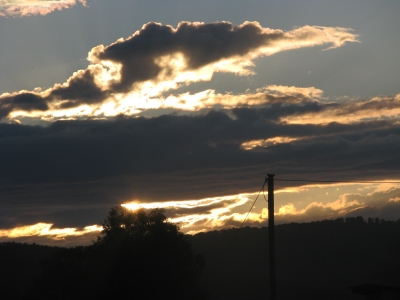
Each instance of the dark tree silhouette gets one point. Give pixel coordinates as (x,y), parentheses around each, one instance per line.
(138,255)
(147,257)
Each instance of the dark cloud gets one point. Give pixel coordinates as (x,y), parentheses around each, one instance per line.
(79,89)
(24,101)
(92,150)
(276,111)
(376,104)
(200,44)
(93,164)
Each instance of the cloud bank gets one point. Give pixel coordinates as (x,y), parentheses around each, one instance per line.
(159,58)
(373,200)
(70,172)
(22,8)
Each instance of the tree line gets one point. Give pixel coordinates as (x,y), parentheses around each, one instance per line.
(140,255)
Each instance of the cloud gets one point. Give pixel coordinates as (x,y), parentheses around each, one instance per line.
(279,104)
(45,234)
(173,157)
(381,203)
(160,58)
(17,8)
(216,213)
(197,215)
(267,142)
(67,241)
(121,132)
(317,210)
(43,229)
(208,99)
(377,108)
(147,54)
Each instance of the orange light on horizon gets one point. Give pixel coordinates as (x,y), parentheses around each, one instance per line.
(45,229)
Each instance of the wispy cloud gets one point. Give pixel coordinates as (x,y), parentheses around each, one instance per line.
(377,108)
(224,212)
(216,213)
(383,202)
(197,215)
(47,230)
(22,8)
(267,142)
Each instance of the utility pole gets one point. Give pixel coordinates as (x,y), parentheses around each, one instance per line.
(271,234)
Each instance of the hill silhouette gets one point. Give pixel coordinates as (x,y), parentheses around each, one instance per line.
(20,265)
(138,255)
(317,260)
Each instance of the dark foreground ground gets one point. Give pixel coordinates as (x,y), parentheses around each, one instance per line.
(318,260)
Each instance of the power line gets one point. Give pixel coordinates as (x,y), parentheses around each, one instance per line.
(336,181)
(287,180)
(263,189)
(241,225)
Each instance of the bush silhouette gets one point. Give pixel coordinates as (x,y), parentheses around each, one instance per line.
(138,255)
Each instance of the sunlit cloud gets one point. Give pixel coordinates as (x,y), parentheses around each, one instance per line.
(377,108)
(148,98)
(47,230)
(188,204)
(217,213)
(197,215)
(339,205)
(267,142)
(296,94)
(125,76)
(359,201)
(16,8)
(384,188)
(284,104)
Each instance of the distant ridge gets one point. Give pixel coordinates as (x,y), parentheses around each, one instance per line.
(317,260)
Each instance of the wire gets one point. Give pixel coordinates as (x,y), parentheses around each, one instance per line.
(266,179)
(336,181)
(285,179)
(241,225)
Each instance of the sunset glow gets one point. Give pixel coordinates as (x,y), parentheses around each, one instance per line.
(43,229)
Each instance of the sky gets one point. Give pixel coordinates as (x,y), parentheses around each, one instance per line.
(188,105)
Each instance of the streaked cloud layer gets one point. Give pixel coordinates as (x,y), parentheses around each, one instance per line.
(372,200)
(22,8)
(43,229)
